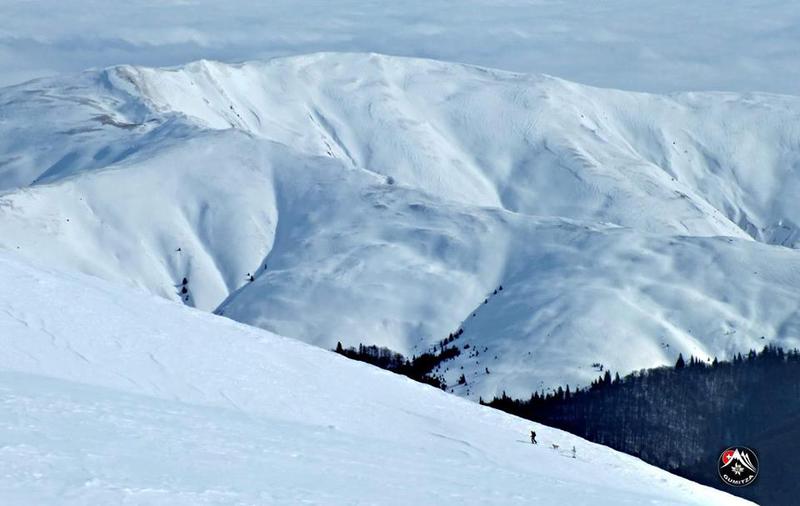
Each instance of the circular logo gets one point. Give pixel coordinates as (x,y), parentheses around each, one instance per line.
(738,466)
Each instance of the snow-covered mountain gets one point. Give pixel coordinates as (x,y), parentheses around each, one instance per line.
(384,200)
(113,396)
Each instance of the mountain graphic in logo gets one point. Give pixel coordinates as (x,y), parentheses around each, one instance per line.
(738,466)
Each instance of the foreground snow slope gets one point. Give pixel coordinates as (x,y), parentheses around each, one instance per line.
(382,200)
(112,396)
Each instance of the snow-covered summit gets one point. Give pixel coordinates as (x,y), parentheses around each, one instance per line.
(113,396)
(382,200)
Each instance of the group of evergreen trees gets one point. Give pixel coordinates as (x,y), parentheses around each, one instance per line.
(419,368)
(680,418)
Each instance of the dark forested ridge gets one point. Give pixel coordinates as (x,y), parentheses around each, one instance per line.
(419,368)
(681,418)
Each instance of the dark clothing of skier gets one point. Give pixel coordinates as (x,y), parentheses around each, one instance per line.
(533,438)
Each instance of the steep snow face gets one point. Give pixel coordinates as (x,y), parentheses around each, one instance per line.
(114,396)
(382,200)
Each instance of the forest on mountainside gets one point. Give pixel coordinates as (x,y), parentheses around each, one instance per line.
(681,418)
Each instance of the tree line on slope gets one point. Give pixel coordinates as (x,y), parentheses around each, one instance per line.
(681,418)
(419,368)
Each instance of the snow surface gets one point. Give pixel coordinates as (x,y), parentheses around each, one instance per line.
(113,396)
(645,45)
(381,200)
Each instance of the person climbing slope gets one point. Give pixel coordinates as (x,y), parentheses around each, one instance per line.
(533,438)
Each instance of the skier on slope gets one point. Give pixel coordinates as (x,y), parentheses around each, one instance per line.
(533,438)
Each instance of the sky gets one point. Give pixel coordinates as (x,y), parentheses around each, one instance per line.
(644,45)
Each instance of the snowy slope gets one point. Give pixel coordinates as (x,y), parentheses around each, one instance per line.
(113,396)
(381,200)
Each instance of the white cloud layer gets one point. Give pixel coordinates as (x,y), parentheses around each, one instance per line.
(748,45)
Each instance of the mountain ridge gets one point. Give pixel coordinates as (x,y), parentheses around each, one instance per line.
(381,200)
